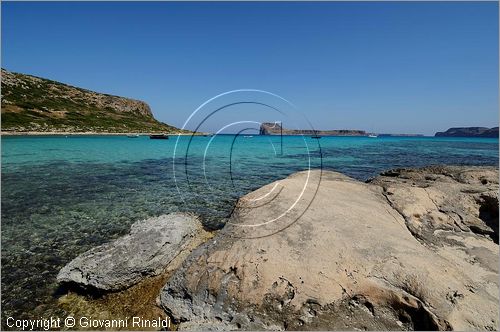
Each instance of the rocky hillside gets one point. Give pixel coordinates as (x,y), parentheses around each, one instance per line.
(469,132)
(31,103)
(271,128)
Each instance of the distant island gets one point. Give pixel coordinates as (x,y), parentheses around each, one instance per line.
(273,128)
(469,132)
(401,135)
(38,105)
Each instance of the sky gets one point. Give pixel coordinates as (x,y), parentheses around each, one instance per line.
(384,67)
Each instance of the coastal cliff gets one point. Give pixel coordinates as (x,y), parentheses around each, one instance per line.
(271,128)
(469,132)
(36,104)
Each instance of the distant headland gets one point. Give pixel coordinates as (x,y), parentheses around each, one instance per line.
(34,105)
(469,132)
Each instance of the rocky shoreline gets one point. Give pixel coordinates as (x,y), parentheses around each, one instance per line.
(409,249)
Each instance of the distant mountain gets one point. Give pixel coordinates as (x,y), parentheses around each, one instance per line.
(271,128)
(469,132)
(31,103)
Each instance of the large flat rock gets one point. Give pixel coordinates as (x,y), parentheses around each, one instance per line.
(319,250)
(445,198)
(149,247)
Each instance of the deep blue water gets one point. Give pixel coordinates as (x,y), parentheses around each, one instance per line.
(62,196)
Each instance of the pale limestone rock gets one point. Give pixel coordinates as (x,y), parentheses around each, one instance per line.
(146,251)
(349,255)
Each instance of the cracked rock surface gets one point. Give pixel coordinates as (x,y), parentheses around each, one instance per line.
(149,247)
(410,249)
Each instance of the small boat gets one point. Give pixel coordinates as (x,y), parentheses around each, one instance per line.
(248,136)
(372,136)
(316,136)
(133,136)
(158,136)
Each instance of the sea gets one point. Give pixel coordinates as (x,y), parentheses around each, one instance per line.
(62,195)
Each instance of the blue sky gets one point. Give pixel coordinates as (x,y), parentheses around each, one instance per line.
(382,67)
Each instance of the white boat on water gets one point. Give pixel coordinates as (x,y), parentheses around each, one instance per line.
(372,136)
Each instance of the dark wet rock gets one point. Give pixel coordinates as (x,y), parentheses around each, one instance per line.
(398,253)
(149,247)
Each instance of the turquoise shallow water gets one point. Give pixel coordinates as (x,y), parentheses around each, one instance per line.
(62,196)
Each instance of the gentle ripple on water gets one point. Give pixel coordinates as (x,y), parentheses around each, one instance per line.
(62,196)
